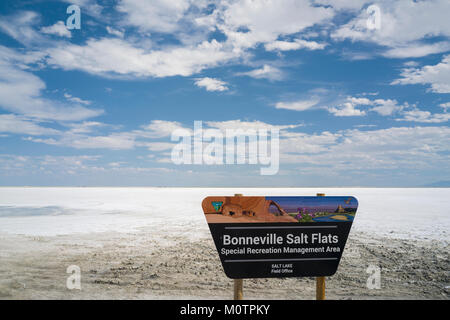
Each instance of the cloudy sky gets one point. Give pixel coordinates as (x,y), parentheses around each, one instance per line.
(358,104)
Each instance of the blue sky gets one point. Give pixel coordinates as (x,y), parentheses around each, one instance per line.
(357,105)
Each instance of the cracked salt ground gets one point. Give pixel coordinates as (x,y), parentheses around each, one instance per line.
(137,266)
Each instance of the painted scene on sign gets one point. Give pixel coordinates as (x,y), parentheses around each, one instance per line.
(279,209)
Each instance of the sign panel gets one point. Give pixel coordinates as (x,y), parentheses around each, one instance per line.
(267,237)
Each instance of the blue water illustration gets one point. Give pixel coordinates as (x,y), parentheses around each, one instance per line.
(330,219)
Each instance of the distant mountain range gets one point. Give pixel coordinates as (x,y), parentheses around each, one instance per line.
(439,184)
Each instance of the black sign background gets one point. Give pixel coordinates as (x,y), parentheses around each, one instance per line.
(271,265)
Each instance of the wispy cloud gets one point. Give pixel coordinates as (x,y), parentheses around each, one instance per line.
(22,92)
(299,105)
(10,123)
(403,27)
(294,45)
(59,29)
(211,84)
(438,76)
(417,115)
(265,72)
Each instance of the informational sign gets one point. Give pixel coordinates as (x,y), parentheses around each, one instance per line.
(267,237)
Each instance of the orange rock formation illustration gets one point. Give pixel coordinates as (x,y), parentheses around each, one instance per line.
(243,209)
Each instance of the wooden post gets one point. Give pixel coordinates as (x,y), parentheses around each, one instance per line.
(238,289)
(320,281)
(320,288)
(238,283)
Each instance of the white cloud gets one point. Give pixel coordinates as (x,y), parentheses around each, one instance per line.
(360,106)
(403,25)
(80,135)
(359,101)
(59,29)
(359,151)
(190,23)
(159,146)
(411,64)
(11,123)
(160,128)
(346,109)
(266,72)
(118,57)
(114,32)
(246,125)
(76,99)
(85,135)
(300,105)
(156,15)
(299,142)
(85,126)
(20,59)
(84,166)
(22,92)
(211,84)
(247,23)
(114,141)
(417,50)
(20,27)
(438,76)
(341,109)
(386,107)
(417,115)
(294,45)
(416,148)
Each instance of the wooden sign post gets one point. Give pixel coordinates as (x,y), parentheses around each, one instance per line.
(238,283)
(320,281)
(320,288)
(238,289)
(279,237)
